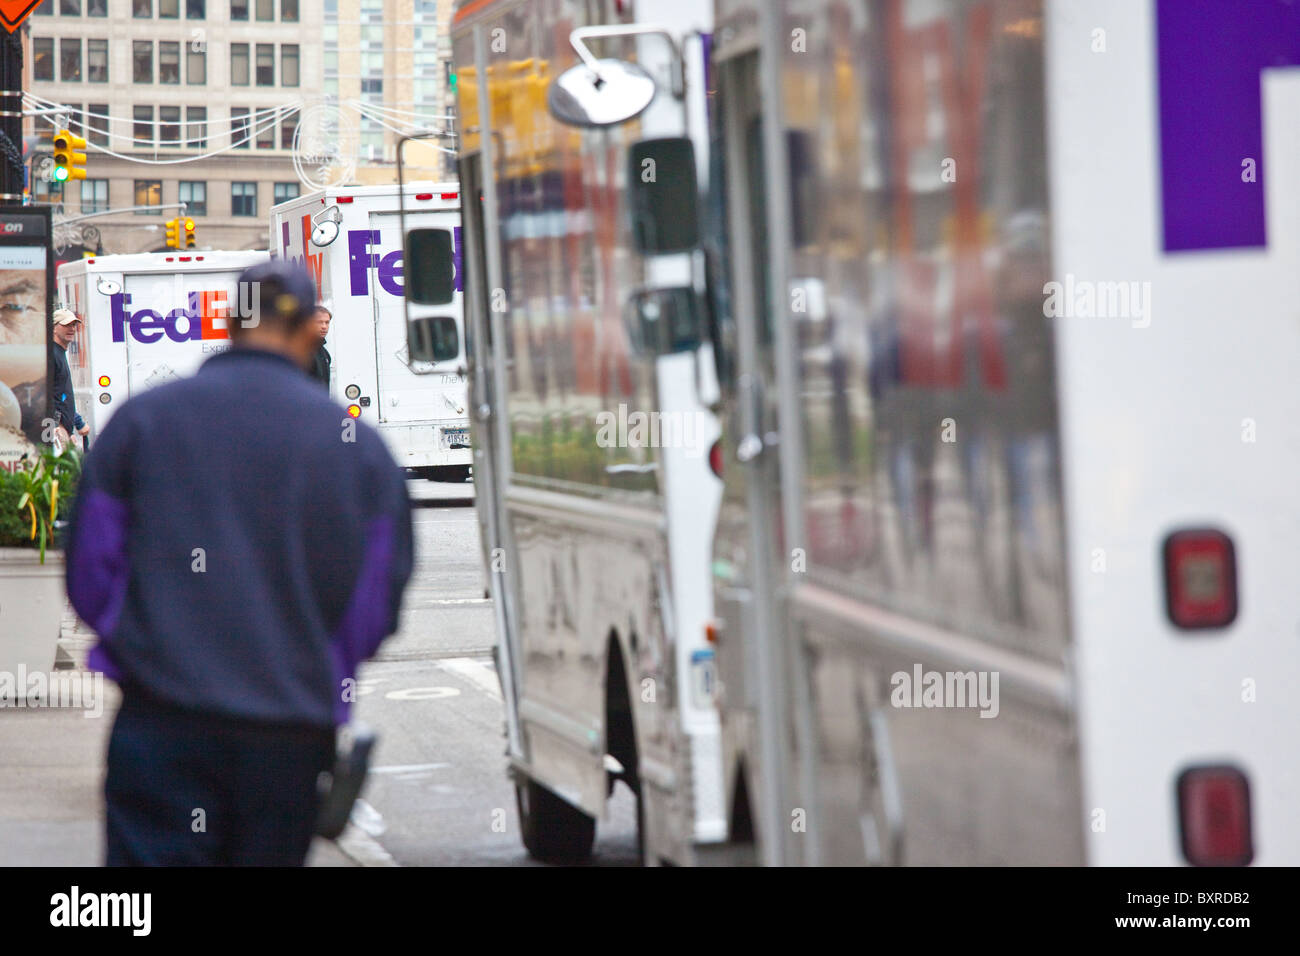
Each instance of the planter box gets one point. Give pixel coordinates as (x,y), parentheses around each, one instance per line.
(32,599)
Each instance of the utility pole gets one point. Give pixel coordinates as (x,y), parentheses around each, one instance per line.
(11,117)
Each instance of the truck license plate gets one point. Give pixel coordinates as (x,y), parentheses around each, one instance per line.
(452,437)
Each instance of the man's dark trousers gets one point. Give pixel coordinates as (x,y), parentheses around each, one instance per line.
(254,783)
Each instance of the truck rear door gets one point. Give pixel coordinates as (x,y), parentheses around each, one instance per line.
(172,323)
(413,391)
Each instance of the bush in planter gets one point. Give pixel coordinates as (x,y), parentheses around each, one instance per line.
(35,500)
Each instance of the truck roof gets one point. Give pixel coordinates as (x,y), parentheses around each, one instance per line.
(368,192)
(165,261)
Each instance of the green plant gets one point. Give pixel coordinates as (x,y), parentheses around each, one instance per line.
(35,496)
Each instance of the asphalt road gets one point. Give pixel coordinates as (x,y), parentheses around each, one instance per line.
(438,794)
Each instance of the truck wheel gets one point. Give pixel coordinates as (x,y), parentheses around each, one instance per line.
(553,831)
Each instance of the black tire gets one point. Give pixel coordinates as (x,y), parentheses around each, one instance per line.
(449,473)
(553,831)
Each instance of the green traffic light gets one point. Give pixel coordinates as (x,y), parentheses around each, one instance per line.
(61,174)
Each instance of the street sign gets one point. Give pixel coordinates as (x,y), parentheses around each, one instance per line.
(14,12)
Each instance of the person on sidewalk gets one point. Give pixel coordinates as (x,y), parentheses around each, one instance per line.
(236,576)
(321,361)
(62,402)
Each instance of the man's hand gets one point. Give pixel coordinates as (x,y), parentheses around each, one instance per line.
(62,435)
(83,430)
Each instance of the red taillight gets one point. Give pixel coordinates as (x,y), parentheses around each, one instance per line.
(1214,812)
(184,258)
(450,195)
(354,411)
(1200,579)
(104,381)
(344,199)
(715,458)
(423,196)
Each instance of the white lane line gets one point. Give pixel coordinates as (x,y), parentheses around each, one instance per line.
(410,767)
(426,603)
(481,675)
(363,849)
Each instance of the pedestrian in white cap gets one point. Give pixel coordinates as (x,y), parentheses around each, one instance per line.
(62,404)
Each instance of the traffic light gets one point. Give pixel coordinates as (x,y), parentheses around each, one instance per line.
(68,162)
(173,234)
(190,241)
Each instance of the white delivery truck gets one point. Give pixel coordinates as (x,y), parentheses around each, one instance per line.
(350,238)
(147,318)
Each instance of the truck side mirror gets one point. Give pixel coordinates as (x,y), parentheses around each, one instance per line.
(663,321)
(663,195)
(430,270)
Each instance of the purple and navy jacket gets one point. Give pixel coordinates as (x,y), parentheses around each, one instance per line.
(235,552)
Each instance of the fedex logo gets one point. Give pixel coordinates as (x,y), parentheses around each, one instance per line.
(388,267)
(312,262)
(148,326)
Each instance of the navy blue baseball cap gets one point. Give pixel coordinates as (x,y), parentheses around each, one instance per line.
(280,288)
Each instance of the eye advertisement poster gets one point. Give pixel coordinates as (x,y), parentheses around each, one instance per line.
(26,283)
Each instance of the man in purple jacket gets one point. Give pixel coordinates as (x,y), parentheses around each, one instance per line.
(240,545)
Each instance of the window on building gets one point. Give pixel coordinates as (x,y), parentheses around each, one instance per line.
(142,8)
(169,62)
(266,64)
(372,85)
(148,192)
(43,58)
(94,195)
(142,131)
(70,60)
(97,61)
(196,9)
(266,9)
(196,66)
(239,127)
(286,191)
(195,197)
(289,11)
(243,199)
(169,9)
(289,64)
(97,8)
(169,126)
(239,9)
(70,8)
(196,127)
(239,64)
(287,127)
(265,121)
(142,60)
(97,124)
(46,9)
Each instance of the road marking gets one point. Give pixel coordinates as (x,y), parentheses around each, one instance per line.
(409,767)
(422,693)
(451,600)
(363,849)
(481,675)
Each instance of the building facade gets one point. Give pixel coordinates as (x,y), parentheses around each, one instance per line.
(386,68)
(207,93)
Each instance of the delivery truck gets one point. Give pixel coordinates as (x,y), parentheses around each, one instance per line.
(146,319)
(350,239)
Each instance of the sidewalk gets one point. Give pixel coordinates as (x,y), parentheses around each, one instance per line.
(52,774)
